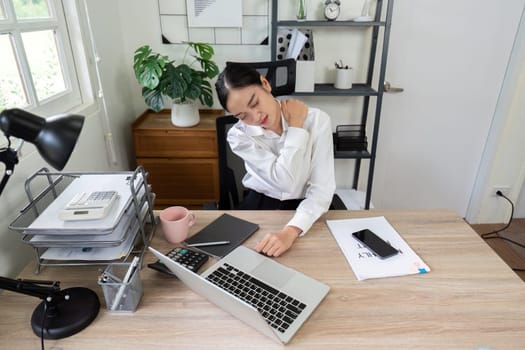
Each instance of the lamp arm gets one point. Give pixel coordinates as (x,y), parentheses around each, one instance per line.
(30,287)
(10,158)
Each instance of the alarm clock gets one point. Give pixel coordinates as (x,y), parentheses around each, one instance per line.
(332,9)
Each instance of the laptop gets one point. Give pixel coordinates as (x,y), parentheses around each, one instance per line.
(270,297)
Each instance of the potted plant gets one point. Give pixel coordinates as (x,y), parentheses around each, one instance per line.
(160,78)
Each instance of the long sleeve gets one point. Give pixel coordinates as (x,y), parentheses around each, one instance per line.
(297,164)
(320,187)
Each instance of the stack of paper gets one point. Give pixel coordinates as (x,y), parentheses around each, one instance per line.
(366,264)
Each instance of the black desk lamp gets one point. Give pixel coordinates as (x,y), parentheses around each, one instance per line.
(62,312)
(54,137)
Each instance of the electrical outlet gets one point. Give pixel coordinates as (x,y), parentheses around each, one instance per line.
(504,189)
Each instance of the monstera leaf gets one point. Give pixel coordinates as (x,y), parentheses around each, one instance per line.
(160,77)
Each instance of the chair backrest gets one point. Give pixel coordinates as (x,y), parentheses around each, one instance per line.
(231,167)
(281,76)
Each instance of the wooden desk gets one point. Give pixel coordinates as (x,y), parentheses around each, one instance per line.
(469,299)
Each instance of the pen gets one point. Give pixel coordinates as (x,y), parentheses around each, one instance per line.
(125,281)
(205,244)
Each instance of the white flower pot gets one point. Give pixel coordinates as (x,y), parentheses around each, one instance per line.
(185,114)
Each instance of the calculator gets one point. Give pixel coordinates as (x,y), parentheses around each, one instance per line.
(190,259)
(89,206)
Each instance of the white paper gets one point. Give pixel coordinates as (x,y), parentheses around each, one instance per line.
(89,253)
(214,13)
(366,264)
(128,223)
(49,222)
(297,42)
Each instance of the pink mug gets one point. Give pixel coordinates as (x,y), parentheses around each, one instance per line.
(176,223)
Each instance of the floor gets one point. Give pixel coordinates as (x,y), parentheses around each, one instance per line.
(512,254)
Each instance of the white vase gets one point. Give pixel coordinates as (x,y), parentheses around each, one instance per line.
(185,114)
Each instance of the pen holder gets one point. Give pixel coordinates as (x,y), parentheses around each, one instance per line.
(343,78)
(121,297)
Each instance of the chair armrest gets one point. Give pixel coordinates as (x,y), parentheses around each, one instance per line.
(337,203)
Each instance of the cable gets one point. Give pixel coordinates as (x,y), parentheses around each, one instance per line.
(484,235)
(43,325)
(496,232)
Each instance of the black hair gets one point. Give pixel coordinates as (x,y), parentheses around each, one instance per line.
(235,75)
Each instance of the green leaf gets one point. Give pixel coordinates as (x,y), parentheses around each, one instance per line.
(153,98)
(206,96)
(148,67)
(149,74)
(177,81)
(140,54)
(205,51)
(194,91)
(209,67)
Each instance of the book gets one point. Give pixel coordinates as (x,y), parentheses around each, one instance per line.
(225,228)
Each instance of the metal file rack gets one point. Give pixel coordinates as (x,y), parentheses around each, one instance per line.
(136,222)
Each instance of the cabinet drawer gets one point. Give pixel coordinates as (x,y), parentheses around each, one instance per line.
(175,143)
(186,182)
(155,136)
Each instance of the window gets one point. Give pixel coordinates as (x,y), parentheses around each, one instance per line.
(37,70)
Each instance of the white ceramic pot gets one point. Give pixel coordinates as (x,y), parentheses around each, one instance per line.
(185,114)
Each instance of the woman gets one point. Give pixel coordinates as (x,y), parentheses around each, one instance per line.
(287,150)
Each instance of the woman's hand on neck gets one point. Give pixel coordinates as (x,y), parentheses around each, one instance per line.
(294,112)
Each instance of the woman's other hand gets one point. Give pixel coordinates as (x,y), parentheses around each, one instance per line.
(276,243)
(294,112)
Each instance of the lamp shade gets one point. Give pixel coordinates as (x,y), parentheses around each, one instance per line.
(54,137)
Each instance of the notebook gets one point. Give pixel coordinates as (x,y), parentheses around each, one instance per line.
(272,298)
(224,228)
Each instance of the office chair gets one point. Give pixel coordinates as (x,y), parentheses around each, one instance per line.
(231,167)
(281,76)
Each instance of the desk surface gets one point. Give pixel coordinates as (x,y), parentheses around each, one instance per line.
(471,298)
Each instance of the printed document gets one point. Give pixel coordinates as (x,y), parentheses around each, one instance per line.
(364,263)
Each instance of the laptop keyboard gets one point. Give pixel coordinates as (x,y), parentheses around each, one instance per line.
(278,308)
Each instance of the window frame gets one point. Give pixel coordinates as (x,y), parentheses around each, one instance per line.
(65,100)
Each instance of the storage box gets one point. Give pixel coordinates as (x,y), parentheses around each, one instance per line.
(350,138)
(305,76)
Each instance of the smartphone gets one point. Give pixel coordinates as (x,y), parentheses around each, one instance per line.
(375,243)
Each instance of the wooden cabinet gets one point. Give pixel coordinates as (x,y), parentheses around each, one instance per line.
(181,162)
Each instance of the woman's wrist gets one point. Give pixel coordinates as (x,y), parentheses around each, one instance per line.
(292,232)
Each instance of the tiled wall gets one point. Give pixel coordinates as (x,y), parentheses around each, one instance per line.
(254,31)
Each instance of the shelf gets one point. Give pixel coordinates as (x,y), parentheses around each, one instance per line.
(329,90)
(351,154)
(378,31)
(329,24)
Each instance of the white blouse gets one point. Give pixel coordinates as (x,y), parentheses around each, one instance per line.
(297,164)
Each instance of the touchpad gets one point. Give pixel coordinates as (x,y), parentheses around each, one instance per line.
(268,272)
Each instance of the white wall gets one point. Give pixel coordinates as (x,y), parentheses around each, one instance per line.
(503,162)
